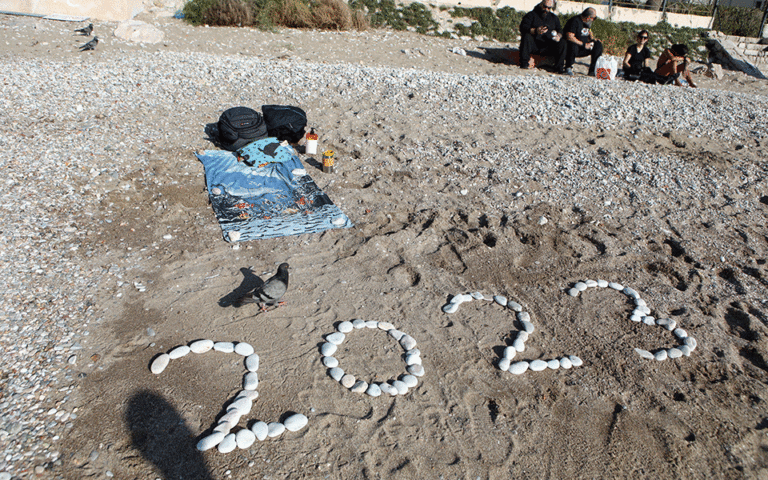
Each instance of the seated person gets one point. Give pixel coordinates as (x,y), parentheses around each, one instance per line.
(637,58)
(540,34)
(580,42)
(673,63)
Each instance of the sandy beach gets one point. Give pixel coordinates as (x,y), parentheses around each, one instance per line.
(461,174)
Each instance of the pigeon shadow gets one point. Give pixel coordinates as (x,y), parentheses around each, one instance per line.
(249,283)
(163,438)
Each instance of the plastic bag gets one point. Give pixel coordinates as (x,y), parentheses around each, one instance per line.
(606,68)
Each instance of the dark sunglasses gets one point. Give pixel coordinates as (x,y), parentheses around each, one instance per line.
(642,36)
(544,7)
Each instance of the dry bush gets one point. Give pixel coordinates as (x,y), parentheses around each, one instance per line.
(360,20)
(229,13)
(292,14)
(331,15)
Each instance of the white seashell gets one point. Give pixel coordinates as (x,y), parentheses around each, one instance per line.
(252,362)
(510,352)
(616,286)
(538,365)
(210,441)
(450,307)
(386,326)
(338,221)
(580,286)
(335,338)
(242,405)
(671,325)
(518,367)
(159,364)
(336,373)
(407,342)
(216,191)
(224,347)
(416,370)
(410,381)
(636,317)
(674,353)
(477,296)
(249,394)
(575,361)
(501,300)
(234,236)
(519,345)
(644,353)
(590,283)
(504,364)
(243,349)
(347,380)
(566,363)
(661,355)
(298,172)
(685,349)
(461,298)
(524,316)
(574,292)
(396,334)
(330,362)
(275,429)
(649,320)
(553,364)
(527,326)
(345,327)
(201,346)
(360,386)
(179,352)
(412,359)
(631,293)
(691,342)
(372,324)
(250,381)
(295,422)
(228,443)
(514,306)
(401,387)
(680,333)
(328,349)
(373,390)
(244,438)
(602,283)
(260,429)
(357,323)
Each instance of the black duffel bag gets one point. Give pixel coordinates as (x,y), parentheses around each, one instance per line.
(285,122)
(239,126)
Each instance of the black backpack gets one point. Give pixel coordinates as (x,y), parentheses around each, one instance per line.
(285,122)
(239,126)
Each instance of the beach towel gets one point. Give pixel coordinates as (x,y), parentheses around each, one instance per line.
(268,200)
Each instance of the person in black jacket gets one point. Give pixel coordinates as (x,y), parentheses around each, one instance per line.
(580,41)
(540,34)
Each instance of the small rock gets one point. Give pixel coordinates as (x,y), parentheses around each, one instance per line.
(504,364)
(335,338)
(580,286)
(396,334)
(527,326)
(519,345)
(566,363)
(224,347)
(416,370)
(210,441)
(660,356)
(590,283)
(410,381)
(260,429)
(412,359)
(407,342)
(178,352)
(685,349)
(328,349)
(275,429)
(674,353)
(159,364)
(537,365)
(400,386)
(347,380)
(510,352)
(371,324)
(250,381)
(450,307)
(252,362)
(345,327)
(691,342)
(644,353)
(680,333)
(201,346)
(553,364)
(330,362)
(514,306)
(501,300)
(616,286)
(386,326)
(373,390)
(295,422)
(244,438)
(360,386)
(336,373)
(228,444)
(244,349)
(574,292)
(518,368)
(602,283)
(357,323)
(575,361)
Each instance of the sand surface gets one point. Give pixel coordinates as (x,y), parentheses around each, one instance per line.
(415,244)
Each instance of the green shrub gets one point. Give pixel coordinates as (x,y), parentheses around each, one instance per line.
(740,21)
(385,13)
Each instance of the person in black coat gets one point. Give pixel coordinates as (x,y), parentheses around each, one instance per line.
(540,34)
(580,41)
(637,58)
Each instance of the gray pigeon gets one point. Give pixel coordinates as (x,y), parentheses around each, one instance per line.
(85,31)
(90,45)
(271,291)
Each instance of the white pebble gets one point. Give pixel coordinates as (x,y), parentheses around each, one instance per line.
(649,320)
(661,355)
(461,298)
(223,428)
(295,422)
(401,387)
(514,306)
(575,361)
(450,307)
(616,286)
(386,326)
(636,317)
(249,394)
(216,191)
(347,380)
(407,342)
(477,296)
(416,370)
(524,316)
(543,220)
(159,364)
(602,283)
(674,353)
(252,362)
(501,300)
(201,346)
(231,418)
(527,326)
(390,389)
(565,363)
(510,352)
(242,405)
(330,362)
(224,347)
(691,342)
(244,438)
(538,365)
(345,327)
(275,429)
(630,292)
(210,441)
(663,322)
(680,333)
(234,236)
(336,338)
(372,324)
(373,390)
(580,286)
(574,292)
(640,302)
(260,429)
(685,349)
(243,349)
(358,324)
(519,345)
(360,386)
(644,353)
(396,334)
(671,325)
(553,364)
(228,443)
(518,367)
(590,283)
(504,364)
(250,381)
(336,373)
(410,381)
(522,335)
(328,349)
(412,358)
(178,352)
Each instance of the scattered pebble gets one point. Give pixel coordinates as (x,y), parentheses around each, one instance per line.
(295,422)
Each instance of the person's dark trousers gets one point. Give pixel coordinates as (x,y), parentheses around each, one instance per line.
(530,46)
(573,50)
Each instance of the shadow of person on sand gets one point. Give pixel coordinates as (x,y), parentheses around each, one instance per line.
(162,437)
(250,283)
